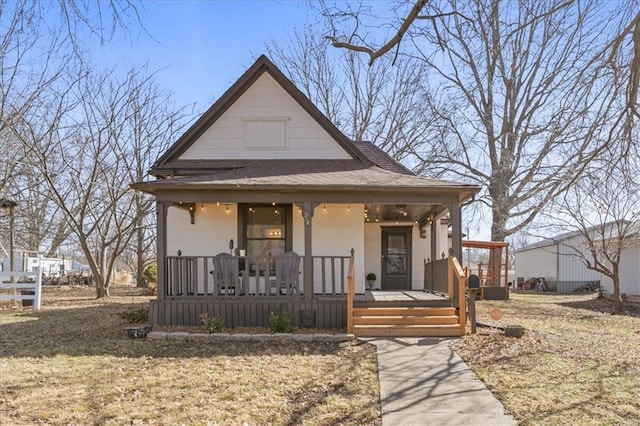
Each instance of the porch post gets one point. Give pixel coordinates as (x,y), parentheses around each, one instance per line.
(307,215)
(434,249)
(456,230)
(161,251)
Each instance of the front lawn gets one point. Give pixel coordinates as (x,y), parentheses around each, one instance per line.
(71,363)
(577,365)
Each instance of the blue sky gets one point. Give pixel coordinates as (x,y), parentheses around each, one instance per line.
(201,47)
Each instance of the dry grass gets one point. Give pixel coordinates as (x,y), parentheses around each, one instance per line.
(578,364)
(71,363)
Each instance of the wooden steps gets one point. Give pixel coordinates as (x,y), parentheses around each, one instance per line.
(408,321)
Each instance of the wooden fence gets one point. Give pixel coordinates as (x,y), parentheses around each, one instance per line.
(29,287)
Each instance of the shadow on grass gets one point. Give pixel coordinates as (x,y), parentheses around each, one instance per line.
(98,330)
(604,306)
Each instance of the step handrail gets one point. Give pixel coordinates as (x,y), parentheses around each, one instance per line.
(350,292)
(456,269)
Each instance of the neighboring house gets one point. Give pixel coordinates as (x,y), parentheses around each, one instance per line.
(263,173)
(555,260)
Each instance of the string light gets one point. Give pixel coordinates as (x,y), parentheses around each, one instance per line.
(349,207)
(324,207)
(218,203)
(201,206)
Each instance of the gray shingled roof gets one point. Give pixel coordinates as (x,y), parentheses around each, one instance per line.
(302,176)
(381,158)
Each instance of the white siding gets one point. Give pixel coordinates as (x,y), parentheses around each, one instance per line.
(444,242)
(255,125)
(571,267)
(210,234)
(336,231)
(629,273)
(373,250)
(537,262)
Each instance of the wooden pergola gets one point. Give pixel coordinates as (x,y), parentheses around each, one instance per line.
(491,286)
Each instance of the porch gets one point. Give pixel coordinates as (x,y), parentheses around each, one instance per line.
(248,288)
(253,289)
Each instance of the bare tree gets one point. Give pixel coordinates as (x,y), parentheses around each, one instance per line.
(379,103)
(39,43)
(603,208)
(153,127)
(90,141)
(521,92)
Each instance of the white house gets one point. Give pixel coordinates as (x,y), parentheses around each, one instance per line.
(265,178)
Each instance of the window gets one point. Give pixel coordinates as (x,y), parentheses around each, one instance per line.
(265,229)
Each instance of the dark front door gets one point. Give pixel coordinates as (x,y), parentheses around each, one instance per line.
(396,258)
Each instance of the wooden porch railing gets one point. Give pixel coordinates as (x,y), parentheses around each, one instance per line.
(330,274)
(456,270)
(193,276)
(435,276)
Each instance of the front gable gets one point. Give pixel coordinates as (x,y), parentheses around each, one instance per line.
(265,123)
(262,116)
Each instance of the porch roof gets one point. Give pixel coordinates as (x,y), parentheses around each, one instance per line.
(309,176)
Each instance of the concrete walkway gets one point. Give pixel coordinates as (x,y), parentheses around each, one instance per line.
(424,382)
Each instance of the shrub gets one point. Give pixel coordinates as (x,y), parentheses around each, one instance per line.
(211,325)
(136,315)
(281,322)
(150,274)
(371,276)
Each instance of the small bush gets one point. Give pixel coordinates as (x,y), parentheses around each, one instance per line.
(136,315)
(150,274)
(281,322)
(211,325)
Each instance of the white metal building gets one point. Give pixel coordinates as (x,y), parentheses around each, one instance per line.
(554,260)
(629,275)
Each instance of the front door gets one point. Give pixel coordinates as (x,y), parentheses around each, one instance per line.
(396,258)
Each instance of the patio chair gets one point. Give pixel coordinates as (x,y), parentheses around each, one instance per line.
(225,273)
(287,275)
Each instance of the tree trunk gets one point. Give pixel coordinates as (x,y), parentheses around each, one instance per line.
(618,305)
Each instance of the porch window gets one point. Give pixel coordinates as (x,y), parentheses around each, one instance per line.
(265,229)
